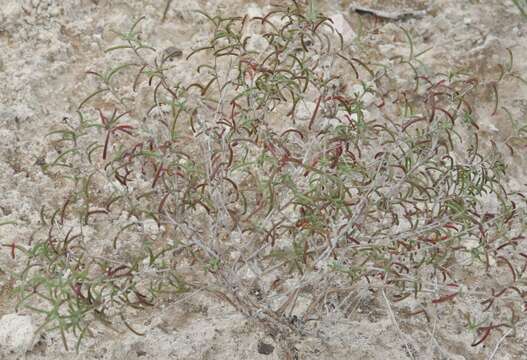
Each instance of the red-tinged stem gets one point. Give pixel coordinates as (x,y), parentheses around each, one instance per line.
(315,112)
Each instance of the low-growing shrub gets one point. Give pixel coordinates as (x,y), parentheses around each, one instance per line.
(293,174)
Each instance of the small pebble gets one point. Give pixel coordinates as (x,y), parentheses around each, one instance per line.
(265,349)
(172,52)
(54,11)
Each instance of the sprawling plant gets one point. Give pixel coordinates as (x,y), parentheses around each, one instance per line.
(291,174)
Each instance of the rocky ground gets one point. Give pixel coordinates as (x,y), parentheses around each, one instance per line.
(46,48)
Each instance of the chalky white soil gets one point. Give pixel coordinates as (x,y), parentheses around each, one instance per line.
(46,47)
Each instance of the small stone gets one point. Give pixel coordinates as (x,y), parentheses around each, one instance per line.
(492,261)
(264,348)
(304,110)
(172,52)
(151,227)
(256,43)
(493,129)
(366,97)
(16,333)
(471,244)
(54,11)
(254,10)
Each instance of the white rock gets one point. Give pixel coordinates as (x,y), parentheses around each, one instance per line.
(332,122)
(16,333)
(391,50)
(54,11)
(150,227)
(366,116)
(94,46)
(11,10)
(366,97)
(492,261)
(342,26)
(254,10)
(115,186)
(493,129)
(471,244)
(256,43)
(304,110)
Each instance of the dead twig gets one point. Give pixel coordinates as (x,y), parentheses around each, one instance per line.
(390,15)
(165,12)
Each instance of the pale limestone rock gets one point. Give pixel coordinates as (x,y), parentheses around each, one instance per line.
(254,10)
(343,27)
(16,333)
(304,110)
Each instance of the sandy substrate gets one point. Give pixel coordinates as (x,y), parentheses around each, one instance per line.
(46,48)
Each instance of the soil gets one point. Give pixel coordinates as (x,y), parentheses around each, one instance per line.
(48,45)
